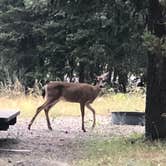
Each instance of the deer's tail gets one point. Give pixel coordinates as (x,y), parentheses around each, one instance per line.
(44,90)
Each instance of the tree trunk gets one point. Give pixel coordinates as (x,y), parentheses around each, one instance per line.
(155,122)
(156,98)
(123,80)
(81,72)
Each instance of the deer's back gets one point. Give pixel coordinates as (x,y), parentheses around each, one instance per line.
(73,92)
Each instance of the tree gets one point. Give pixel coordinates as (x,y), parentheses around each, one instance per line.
(48,39)
(156,80)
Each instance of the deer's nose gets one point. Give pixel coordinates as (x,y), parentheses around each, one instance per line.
(101,86)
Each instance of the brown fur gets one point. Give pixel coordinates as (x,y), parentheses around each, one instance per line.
(72,92)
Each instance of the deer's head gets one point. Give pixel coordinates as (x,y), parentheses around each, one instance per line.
(101,80)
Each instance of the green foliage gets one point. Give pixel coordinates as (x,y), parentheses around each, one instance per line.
(154,44)
(46,40)
(150,41)
(163,3)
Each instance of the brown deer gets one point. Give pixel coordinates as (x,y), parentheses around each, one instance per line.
(81,93)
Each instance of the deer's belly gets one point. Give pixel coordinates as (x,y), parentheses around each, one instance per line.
(74,99)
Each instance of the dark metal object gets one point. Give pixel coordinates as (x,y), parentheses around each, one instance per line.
(128,118)
(8,117)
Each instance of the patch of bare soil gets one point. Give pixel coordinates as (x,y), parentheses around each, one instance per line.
(54,148)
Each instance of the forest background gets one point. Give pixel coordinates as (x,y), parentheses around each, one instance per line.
(43,40)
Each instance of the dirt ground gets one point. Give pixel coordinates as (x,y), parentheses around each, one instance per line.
(54,148)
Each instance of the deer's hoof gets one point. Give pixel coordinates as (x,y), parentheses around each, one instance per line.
(93,126)
(83,130)
(50,128)
(29,127)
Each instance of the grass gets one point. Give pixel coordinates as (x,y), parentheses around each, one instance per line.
(129,151)
(114,151)
(103,105)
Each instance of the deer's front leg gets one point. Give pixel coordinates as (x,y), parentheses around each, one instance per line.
(82,106)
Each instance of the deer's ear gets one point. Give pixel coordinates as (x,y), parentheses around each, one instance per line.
(97,77)
(103,76)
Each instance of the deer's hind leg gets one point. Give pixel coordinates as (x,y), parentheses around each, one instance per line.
(39,109)
(94,114)
(46,113)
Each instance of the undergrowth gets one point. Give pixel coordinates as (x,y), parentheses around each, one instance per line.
(103,105)
(12,96)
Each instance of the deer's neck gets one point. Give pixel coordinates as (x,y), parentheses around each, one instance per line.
(97,89)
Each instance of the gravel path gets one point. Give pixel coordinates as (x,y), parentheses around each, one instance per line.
(58,147)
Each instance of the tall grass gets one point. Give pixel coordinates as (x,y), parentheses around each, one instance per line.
(103,105)
(9,89)
(12,96)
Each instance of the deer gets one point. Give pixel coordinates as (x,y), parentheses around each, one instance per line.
(81,93)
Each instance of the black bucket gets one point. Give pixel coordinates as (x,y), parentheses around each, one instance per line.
(128,118)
